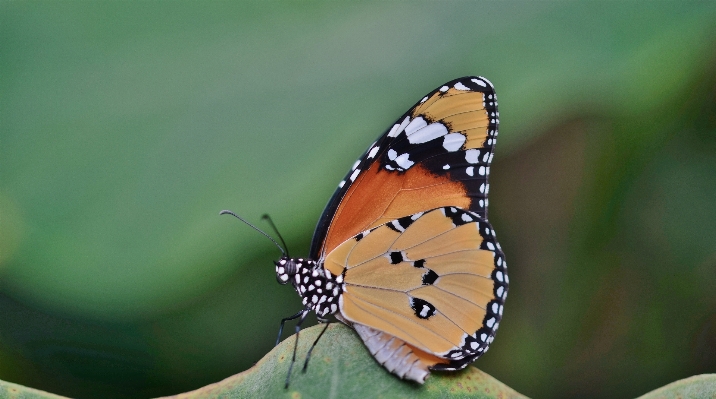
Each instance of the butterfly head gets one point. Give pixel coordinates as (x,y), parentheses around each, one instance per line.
(285,269)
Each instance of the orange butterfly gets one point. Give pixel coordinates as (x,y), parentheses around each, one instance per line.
(403,252)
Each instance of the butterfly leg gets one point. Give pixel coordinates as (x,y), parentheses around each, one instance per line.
(303,315)
(308,355)
(284,320)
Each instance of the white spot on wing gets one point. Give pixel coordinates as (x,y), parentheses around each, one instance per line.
(472,155)
(399,128)
(488,82)
(444,89)
(403,161)
(341,183)
(480,82)
(372,152)
(453,141)
(355,174)
(355,165)
(427,133)
(469,170)
(417,124)
(394,131)
(392,154)
(461,86)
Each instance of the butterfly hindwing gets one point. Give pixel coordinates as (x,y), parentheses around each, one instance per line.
(436,154)
(435,280)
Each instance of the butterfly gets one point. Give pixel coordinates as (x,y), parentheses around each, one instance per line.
(403,252)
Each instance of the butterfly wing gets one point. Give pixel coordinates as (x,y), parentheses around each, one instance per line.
(436,154)
(435,281)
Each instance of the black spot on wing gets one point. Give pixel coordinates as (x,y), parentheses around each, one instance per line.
(429,277)
(459,216)
(419,263)
(423,309)
(396,257)
(401,224)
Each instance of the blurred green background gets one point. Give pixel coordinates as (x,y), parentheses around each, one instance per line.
(126,127)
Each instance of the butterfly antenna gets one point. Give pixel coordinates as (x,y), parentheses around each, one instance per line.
(224,212)
(268,219)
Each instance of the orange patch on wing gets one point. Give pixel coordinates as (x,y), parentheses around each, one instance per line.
(478,262)
(475,138)
(469,122)
(451,105)
(379,196)
(390,312)
(337,260)
(380,273)
(428,226)
(458,239)
(475,289)
(465,314)
(376,243)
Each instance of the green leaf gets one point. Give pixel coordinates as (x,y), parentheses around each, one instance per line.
(696,387)
(9,390)
(341,367)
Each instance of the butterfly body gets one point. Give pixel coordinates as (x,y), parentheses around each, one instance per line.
(318,288)
(404,252)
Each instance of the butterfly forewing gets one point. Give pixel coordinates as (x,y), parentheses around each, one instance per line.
(436,154)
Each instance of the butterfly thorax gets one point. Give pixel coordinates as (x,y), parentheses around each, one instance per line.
(318,288)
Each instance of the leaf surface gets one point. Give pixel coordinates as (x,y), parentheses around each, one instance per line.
(341,367)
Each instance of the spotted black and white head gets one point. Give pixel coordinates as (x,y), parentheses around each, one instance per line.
(286,268)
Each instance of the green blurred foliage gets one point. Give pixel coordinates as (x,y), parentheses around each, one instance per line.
(126,127)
